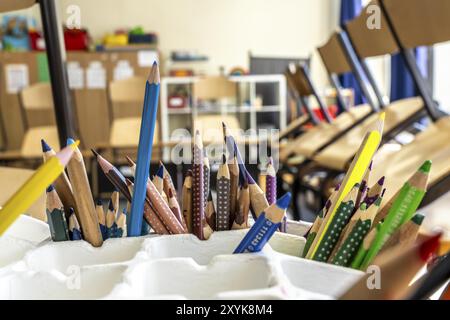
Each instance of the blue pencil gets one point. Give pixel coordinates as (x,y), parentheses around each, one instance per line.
(111,226)
(74,226)
(234,150)
(101,218)
(144,154)
(265,226)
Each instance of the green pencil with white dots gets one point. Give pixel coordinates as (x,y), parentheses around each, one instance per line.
(351,244)
(337,224)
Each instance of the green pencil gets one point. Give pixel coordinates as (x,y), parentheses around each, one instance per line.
(364,247)
(404,207)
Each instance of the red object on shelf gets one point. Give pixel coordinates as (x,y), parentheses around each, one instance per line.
(37,42)
(76,39)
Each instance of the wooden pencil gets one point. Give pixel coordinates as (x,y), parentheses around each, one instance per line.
(74,226)
(241,219)
(233,149)
(364,247)
(234,186)
(82,193)
(406,234)
(271,182)
(397,267)
(364,185)
(223,197)
(111,219)
(144,153)
(210,212)
(206,179)
(121,223)
(158,181)
(354,175)
(55,216)
(402,210)
(101,218)
(374,192)
(175,207)
(258,199)
(198,207)
(186,200)
(62,183)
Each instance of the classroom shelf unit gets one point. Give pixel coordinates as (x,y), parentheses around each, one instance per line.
(249,107)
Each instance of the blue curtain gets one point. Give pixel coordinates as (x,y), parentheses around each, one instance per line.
(349,10)
(402,84)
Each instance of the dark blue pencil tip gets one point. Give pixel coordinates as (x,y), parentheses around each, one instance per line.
(45,146)
(111,206)
(250,180)
(99,202)
(50,188)
(71,211)
(160,172)
(381,181)
(284,201)
(70,141)
(155,63)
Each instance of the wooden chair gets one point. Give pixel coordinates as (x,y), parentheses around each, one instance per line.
(12,179)
(214,88)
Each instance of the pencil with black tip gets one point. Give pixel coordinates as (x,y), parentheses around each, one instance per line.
(55,216)
(74,226)
(241,219)
(144,153)
(62,183)
(34,187)
(264,227)
(101,218)
(258,199)
(86,213)
(406,234)
(234,187)
(210,212)
(186,200)
(223,197)
(121,223)
(397,268)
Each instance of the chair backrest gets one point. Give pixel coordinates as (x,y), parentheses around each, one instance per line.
(210,126)
(419,23)
(214,88)
(37,105)
(371,41)
(126,97)
(13,5)
(334,57)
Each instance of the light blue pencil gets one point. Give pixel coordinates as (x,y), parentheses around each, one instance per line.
(144,154)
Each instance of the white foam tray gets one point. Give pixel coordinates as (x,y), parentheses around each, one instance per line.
(163,267)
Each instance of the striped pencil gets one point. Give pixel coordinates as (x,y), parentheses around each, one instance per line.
(198,207)
(210,212)
(337,224)
(62,183)
(144,153)
(397,267)
(264,227)
(223,197)
(234,187)
(55,216)
(121,223)
(401,211)
(258,199)
(101,218)
(241,219)
(82,193)
(186,200)
(74,226)
(406,234)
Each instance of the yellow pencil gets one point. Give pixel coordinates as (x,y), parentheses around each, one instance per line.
(34,187)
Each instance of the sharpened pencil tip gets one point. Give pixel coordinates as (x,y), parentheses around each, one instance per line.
(111,206)
(418,218)
(381,181)
(130,162)
(284,201)
(383,116)
(153,77)
(70,141)
(426,166)
(45,146)
(50,188)
(250,179)
(99,202)
(160,172)
(428,247)
(95,153)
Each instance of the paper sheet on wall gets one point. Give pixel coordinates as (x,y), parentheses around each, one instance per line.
(147,57)
(17,77)
(96,76)
(123,70)
(76,75)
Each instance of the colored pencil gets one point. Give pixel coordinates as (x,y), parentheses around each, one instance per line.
(186,200)
(144,153)
(111,214)
(210,212)
(158,181)
(62,183)
(233,149)
(74,226)
(402,210)
(175,208)
(354,175)
(315,227)
(86,214)
(364,185)
(350,243)
(406,234)
(198,207)
(169,190)
(433,280)
(374,192)
(121,223)
(234,186)
(206,179)
(241,219)
(223,197)
(364,247)
(101,218)
(262,180)
(257,197)
(264,227)
(55,216)
(149,214)
(397,267)
(34,187)
(271,183)
(337,224)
